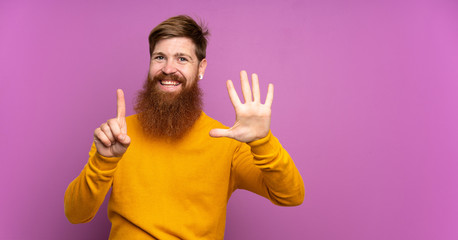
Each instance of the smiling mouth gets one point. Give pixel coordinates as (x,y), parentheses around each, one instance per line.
(169,83)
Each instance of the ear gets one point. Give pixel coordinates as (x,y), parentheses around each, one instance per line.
(202,67)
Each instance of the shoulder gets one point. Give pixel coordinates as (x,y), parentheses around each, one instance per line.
(133,125)
(132,120)
(210,122)
(207,123)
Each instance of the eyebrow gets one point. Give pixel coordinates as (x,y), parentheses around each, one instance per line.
(183,54)
(176,54)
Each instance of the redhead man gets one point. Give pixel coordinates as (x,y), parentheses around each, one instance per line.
(172,168)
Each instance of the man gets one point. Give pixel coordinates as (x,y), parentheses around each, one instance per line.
(173,171)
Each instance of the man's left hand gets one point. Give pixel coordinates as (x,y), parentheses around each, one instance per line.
(252,117)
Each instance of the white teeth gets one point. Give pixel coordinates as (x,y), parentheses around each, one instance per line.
(174,83)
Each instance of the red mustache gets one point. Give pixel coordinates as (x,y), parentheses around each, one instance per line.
(174,77)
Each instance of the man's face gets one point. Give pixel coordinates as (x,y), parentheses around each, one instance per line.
(175,63)
(171,101)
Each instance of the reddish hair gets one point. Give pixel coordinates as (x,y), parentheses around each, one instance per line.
(181,26)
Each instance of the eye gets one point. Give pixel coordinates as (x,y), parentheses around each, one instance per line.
(182,59)
(159,57)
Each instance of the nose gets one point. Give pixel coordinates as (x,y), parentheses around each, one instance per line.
(169,68)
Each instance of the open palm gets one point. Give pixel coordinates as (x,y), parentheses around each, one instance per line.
(252,117)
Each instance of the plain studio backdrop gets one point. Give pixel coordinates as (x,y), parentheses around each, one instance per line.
(366,103)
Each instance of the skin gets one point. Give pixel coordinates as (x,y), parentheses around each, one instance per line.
(252,117)
(177,56)
(111,139)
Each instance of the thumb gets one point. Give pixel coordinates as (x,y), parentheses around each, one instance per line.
(124,139)
(218,132)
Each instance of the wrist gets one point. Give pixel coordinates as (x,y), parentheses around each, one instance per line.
(105,163)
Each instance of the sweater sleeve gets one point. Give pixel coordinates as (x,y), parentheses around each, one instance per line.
(265,168)
(86,193)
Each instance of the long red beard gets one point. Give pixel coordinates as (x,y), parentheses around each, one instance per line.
(168,115)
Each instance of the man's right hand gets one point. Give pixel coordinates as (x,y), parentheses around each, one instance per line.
(111,138)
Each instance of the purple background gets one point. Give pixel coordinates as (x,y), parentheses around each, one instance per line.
(366,102)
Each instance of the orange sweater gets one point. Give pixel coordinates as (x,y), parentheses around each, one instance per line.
(179,190)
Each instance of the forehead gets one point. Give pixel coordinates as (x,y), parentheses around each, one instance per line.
(172,46)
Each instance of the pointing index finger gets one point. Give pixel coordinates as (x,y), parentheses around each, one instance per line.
(121,112)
